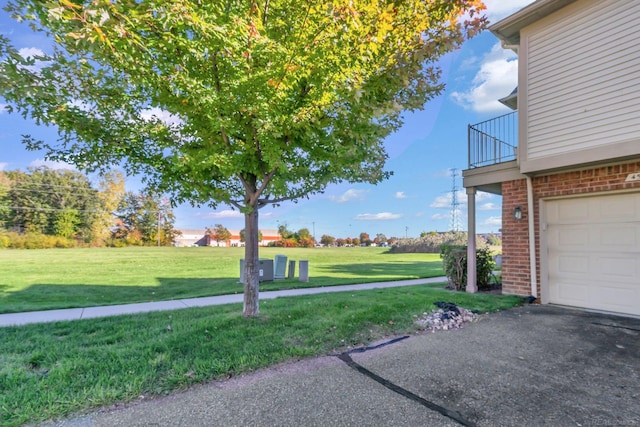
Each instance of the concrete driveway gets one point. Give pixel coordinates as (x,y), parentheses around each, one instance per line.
(530,366)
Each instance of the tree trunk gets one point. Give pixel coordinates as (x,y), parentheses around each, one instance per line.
(251,265)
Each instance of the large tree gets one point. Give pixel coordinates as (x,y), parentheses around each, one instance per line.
(143,219)
(219,233)
(49,201)
(270,100)
(111,192)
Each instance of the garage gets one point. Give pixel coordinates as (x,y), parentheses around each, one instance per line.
(593,252)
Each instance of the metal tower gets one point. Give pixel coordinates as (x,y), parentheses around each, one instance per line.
(455,217)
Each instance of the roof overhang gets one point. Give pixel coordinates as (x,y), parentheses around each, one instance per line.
(508,29)
(511,100)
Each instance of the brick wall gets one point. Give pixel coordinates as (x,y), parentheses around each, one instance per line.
(516,274)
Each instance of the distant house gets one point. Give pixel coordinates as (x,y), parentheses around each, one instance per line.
(200,238)
(567,163)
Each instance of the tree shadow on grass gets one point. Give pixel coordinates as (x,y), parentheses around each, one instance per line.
(388,269)
(58,296)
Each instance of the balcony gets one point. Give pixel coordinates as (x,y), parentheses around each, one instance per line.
(493,141)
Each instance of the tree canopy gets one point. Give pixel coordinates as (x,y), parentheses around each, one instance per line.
(219,233)
(64,203)
(242,102)
(268,101)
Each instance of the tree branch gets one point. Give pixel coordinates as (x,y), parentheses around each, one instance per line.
(265,12)
(218,86)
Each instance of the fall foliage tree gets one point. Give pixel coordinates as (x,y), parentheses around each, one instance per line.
(144,219)
(328,240)
(380,239)
(111,191)
(248,103)
(365,239)
(243,236)
(219,233)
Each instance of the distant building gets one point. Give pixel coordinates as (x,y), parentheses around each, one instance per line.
(191,237)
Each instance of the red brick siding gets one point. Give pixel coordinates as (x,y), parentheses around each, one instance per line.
(516,273)
(515,240)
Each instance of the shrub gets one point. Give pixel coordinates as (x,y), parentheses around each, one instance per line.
(4,240)
(431,242)
(485,265)
(454,264)
(34,240)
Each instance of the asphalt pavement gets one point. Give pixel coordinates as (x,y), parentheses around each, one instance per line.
(530,366)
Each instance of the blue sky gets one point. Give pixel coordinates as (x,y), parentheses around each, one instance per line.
(422,153)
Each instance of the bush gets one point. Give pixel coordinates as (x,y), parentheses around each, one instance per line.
(454,264)
(485,265)
(34,240)
(4,240)
(431,243)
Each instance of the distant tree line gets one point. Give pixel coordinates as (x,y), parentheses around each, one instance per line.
(44,207)
(303,238)
(433,241)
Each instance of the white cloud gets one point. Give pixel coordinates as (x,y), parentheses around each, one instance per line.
(492,221)
(498,9)
(444,201)
(481,196)
(2,108)
(400,195)
(164,116)
(489,207)
(440,216)
(51,164)
(497,77)
(442,173)
(3,165)
(348,196)
(226,214)
(382,216)
(30,52)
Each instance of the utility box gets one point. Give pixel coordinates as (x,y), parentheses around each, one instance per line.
(280,267)
(304,270)
(265,268)
(292,269)
(241,271)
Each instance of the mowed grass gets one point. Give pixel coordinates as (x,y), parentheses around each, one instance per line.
(65,278)
(48,371)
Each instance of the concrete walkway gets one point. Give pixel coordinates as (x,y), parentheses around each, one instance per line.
(15,319)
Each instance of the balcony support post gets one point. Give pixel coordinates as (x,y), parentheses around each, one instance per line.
(472,283)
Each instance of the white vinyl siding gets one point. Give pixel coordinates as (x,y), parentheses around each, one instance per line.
(582,75)
(593,252)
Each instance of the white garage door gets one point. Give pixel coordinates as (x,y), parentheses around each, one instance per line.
(593,252)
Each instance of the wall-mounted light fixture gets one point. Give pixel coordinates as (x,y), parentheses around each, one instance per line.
(517,213)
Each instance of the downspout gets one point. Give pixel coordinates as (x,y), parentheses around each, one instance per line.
(532,239)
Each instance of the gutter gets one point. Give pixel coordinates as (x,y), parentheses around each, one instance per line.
(532,239)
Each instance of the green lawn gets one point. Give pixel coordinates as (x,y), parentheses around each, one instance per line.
(56,369)
(65,278)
